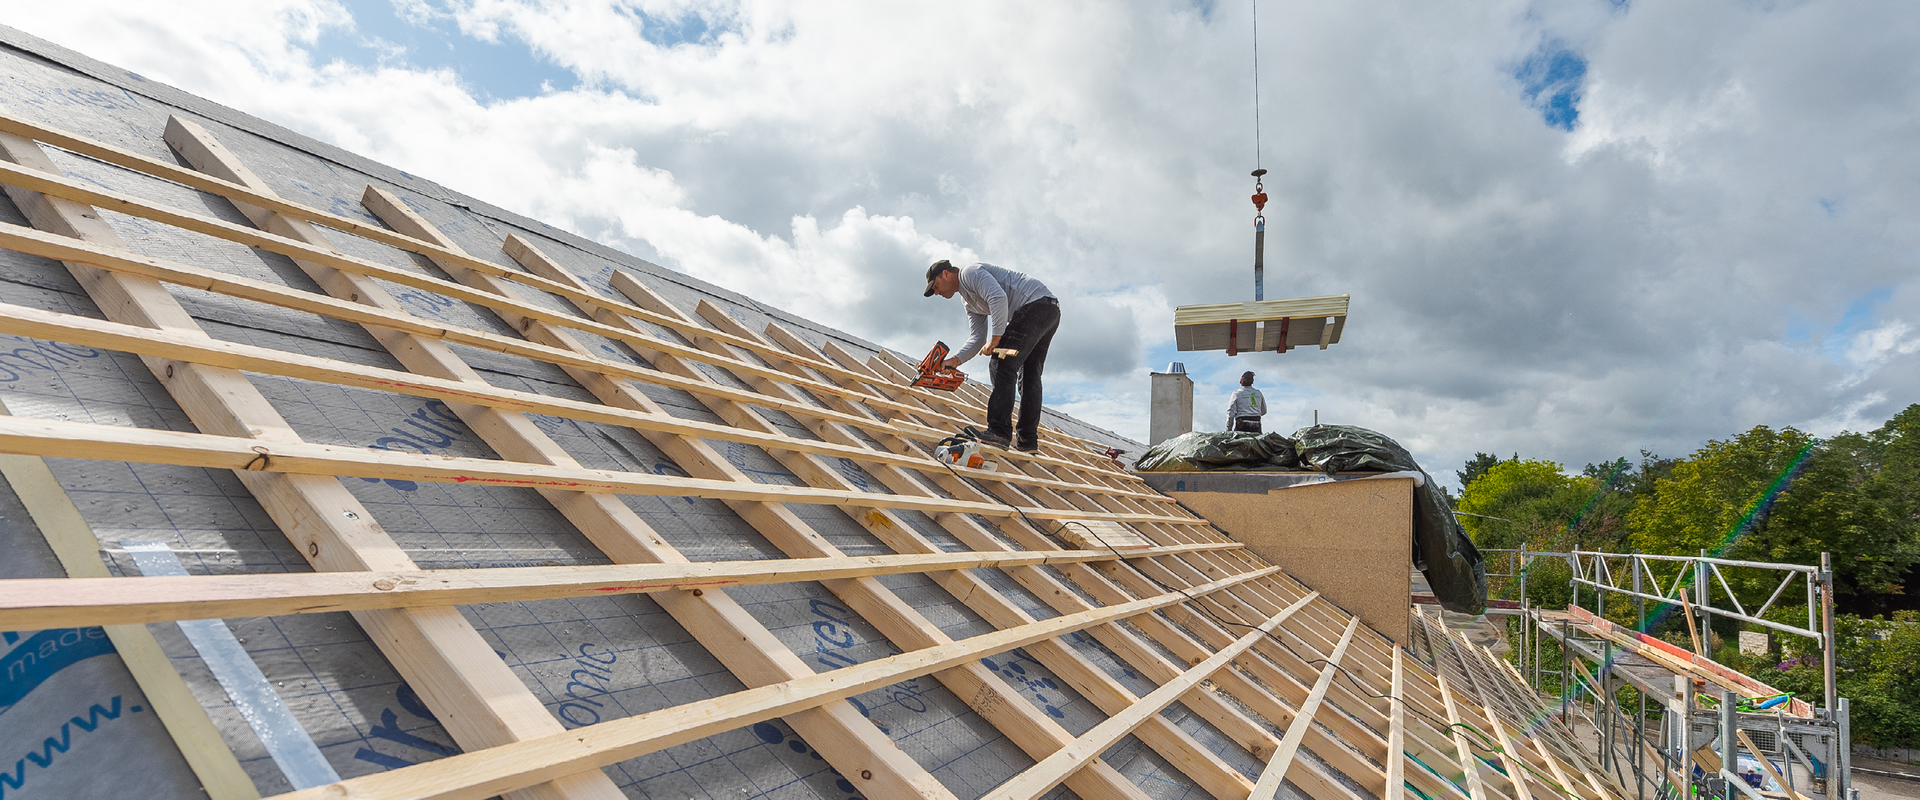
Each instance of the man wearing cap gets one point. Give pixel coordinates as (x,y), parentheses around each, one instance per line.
(1244,413)
(1008,311)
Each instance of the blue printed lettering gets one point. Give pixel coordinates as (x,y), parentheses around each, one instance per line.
(389,729)
(430,417)
(372,756)
(569,711)
(44,757)
(611,656)
(39,356)
(827,630)
(438,438)
(574,680)
(95,713)
(15,779)
(39,656)
(410,701)
(592,668)
(388,442)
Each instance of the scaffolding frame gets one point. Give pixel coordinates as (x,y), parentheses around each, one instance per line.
(1588,636)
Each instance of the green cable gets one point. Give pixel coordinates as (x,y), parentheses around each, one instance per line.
(1487,743)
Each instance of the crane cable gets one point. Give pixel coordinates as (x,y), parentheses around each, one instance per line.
(1256,85)
(1259,189)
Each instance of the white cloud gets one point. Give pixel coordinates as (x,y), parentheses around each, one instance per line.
(1872,348)
(1517,288)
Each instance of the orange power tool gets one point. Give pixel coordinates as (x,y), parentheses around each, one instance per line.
(935,376)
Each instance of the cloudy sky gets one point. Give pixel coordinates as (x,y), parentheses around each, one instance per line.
(1571,229)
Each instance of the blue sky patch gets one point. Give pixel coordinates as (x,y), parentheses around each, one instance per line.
(1550,79)
(502,70)
(686,28)
(1863,314)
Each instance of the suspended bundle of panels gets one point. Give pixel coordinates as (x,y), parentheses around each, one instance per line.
(1276,325)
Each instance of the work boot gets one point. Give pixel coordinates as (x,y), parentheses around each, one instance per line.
(1028,447)
(1002,442)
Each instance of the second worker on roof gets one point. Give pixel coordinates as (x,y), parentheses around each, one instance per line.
(1008,311)
(1248,406)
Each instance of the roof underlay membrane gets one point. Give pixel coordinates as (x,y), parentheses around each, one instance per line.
(392,438)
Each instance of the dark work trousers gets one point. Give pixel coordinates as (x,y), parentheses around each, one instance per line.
(1030,332)
(1246,424)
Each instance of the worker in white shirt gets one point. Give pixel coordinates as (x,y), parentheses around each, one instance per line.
(1244,413)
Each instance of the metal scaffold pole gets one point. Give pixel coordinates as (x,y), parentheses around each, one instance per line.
(1844,741)
(1683,726)
(1566,652)
(1826,627)
(1837,747)
(1639,599)
(1654,752)
(1729,771)
(1521,653)
(1574,562)
(1603,706)
(1705,603)
(1640,719)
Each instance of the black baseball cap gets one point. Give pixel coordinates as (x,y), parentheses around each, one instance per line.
(934,272)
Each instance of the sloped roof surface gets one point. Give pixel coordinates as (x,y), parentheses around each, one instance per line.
(396,437)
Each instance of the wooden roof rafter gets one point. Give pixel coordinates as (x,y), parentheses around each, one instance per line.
(1261,658)
(263,199)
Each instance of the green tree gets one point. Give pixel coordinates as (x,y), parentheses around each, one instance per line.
(1649,473)
(1622,475)
(1897,486)
(1476,467)
(1537,505)
(1899,443)
(1721,493)
(1877,664)
(1783,496)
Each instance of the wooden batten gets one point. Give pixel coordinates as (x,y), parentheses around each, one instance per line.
(1100,534)
(1247,633)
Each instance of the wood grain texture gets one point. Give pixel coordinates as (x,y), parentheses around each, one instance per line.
(473,776)
(1352,540)
(41,603)
(78,550)
(1271,693)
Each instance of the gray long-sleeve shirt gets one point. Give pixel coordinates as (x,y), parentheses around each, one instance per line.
(1247,402)
(991,295)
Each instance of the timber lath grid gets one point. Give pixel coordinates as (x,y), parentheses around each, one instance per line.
(1329,706)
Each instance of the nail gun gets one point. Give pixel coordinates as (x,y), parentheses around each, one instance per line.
(933,375)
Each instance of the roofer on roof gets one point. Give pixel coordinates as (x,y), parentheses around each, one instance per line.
(1248,406)
(1008,311)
